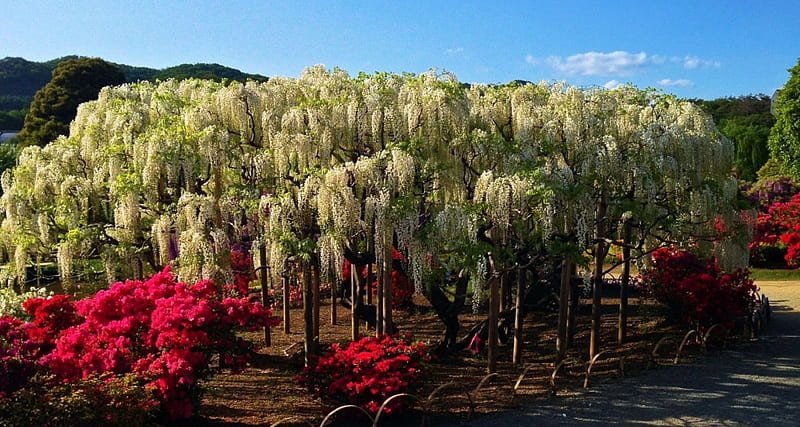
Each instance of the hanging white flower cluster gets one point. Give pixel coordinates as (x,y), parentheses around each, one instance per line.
(328,160)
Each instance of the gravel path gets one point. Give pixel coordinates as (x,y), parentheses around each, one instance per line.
(756,383)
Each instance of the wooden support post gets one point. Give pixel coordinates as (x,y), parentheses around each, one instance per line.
(310,340)
(355,301)
(518,317)
(494,314)
(315,283)
(286,315)
(561,339)
(388,292)
(622,321)
(597,278)
(379,304)
(266,298)
(334,286)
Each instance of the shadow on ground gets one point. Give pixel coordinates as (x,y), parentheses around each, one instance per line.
(755,383)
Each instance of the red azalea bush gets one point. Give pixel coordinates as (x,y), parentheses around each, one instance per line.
(242,266)
(402,290)
(296,293)
(50,316)
(783,219)
(695,291)
(402,287)
(18,356)
(22,345)
(161,331)
(777,233)
(367,371)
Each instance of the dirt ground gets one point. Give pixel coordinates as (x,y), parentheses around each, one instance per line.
(752,382)
(268,391)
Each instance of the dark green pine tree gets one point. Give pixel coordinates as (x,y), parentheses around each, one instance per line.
(55,105)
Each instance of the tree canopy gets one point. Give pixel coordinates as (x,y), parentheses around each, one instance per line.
(314,165)
(214,72)
(784,139)
(20,77)
(54,106)
(745,120)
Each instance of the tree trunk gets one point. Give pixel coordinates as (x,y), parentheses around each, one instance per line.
(597,278)
(518,317)
(504,293)
(622,322)
(448,311)
(368,286)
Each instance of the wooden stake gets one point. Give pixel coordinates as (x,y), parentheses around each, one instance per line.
(265,287)
(518,317)
(494,314)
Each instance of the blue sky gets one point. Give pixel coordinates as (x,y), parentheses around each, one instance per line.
(698,49)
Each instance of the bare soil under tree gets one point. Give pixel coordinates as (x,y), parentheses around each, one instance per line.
(268,391)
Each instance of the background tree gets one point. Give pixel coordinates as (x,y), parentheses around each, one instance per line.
(214,72)
(746,121)
(12,120)
(19,80)
(56,104)
(784,139)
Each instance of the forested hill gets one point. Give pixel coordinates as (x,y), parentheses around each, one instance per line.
(20,78)
(745,120)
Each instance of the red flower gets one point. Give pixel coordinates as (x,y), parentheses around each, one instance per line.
(368,371)
(695,291)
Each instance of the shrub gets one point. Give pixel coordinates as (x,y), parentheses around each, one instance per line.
(777,233)
(18,356)
(368,371)
(99,400)
(163,331)
(51,316)
(402,287)
(695,291)
(242,266)
(133,344)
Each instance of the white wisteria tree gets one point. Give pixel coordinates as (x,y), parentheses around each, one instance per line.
(473,180)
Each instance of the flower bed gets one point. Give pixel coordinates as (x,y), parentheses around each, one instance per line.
(696,292)
(367,371)
(162,332)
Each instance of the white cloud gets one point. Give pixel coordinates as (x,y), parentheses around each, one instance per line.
(678,82)
(617,63)
(692,62)
(530,59)
(454,51)
(612,84)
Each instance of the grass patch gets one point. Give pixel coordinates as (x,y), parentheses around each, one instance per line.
(775,274)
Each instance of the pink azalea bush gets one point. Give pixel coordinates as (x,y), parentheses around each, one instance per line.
(18,356)
(161,331)
(367,371)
